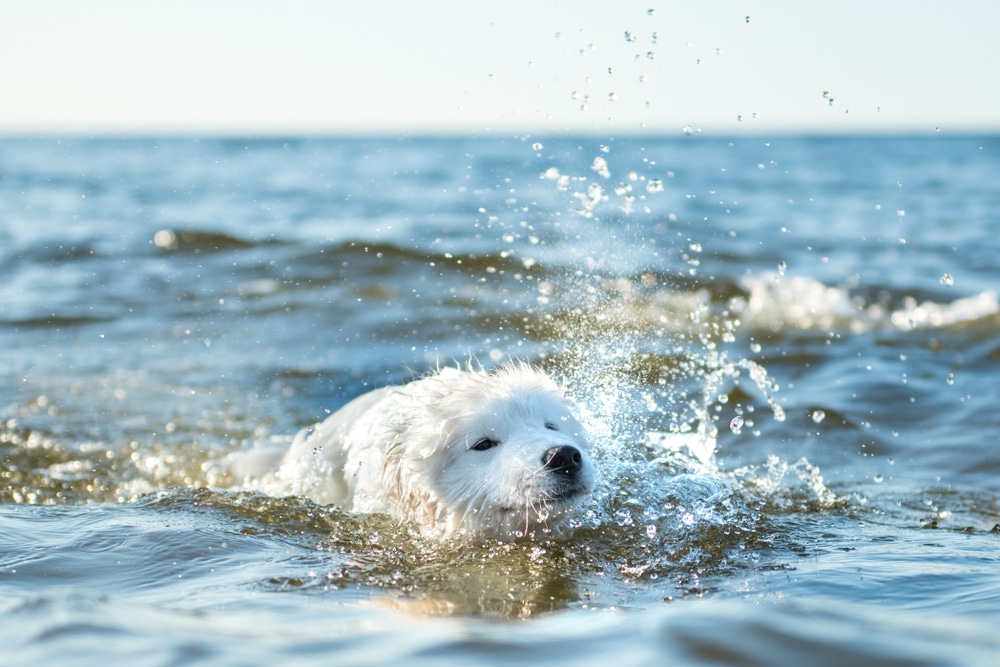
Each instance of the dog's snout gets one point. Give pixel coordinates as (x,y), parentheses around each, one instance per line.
(564,459)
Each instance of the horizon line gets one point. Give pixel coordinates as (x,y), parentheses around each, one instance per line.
(684,132)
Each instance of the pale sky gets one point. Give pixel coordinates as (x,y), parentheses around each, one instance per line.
(123,67)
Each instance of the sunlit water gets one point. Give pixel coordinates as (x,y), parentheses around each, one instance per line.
(786,352)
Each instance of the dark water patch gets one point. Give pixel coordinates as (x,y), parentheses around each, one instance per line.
(819,418)
(55,254)
(56,321)
(389,259)
(197,242)
(953,509)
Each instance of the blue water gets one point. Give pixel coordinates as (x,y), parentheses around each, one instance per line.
(166,303)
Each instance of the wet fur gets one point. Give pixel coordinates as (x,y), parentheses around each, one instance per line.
(407,451)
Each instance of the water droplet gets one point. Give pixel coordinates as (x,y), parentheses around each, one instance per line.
(165,239)
(651,532)
(781,268)
(650,55)
(654,185)
(950,379)
(629,36)
(818,416)
(650,12)
(947,279)
(600,165)
(612,96)
(736,424)
(747,19)
(537,146)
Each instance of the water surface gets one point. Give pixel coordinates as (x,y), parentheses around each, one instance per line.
(785,351)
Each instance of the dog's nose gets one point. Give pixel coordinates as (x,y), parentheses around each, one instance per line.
(564,459)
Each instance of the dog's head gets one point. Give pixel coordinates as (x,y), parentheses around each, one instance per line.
(496,454)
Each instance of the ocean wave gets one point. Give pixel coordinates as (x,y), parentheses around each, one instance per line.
(777,303)
(56,321)
(766,302)
(195,241)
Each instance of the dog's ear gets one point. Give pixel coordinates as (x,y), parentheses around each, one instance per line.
(412,500)
(392,467)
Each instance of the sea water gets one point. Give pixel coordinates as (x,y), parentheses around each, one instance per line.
(785,350)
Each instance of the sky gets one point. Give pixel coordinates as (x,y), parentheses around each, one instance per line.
(292,67)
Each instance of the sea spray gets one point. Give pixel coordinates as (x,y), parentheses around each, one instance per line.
(653,367)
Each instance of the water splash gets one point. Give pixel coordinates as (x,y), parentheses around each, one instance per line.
(651,366)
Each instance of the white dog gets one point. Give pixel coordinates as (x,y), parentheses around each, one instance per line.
(491,454)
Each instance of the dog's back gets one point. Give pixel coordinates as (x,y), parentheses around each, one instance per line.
(317,463)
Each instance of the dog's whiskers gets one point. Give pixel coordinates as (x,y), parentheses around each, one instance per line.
(540,471)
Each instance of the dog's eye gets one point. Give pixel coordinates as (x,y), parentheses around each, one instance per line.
(551,426)
(485,443)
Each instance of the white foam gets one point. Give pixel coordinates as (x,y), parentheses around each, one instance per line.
(778,303)
(930,315)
